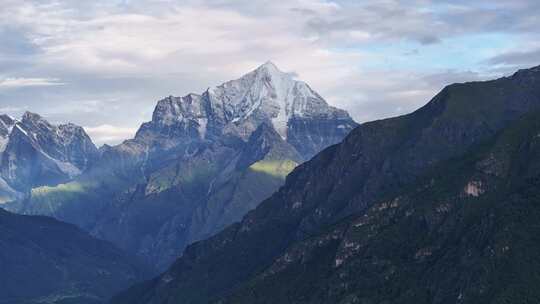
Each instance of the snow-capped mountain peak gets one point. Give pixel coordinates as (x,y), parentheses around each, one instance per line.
(238,107)
(265,94)
(266,89)
(272,95)
(270,68)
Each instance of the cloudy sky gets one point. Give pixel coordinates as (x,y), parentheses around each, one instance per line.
(103,64)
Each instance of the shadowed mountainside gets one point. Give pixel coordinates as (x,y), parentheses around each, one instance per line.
(43,260)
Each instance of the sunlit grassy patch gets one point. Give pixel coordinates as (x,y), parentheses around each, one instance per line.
(274,168)
(62,189)
(189,176)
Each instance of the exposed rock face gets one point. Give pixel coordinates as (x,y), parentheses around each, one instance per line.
(6,125)
(201,163)
(35,153)
(47,261)
(311,215)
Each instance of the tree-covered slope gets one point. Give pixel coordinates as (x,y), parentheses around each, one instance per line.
(466,232)
(43,260)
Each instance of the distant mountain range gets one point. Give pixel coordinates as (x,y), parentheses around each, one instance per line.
(438,206)
(201,164)
(35,153)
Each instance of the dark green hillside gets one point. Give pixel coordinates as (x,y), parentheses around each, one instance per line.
(43,260)
(467,232)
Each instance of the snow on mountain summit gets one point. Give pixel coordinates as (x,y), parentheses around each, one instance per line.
(265,94)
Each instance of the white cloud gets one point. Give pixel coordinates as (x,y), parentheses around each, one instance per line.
(109,134)
(17,82)
(15,111)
